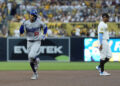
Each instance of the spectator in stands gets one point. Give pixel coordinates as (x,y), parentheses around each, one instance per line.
(16,33)
(13,10)
(4,22)
(77,31)
(50,33)
(112,33)
(73,32)
(92,32)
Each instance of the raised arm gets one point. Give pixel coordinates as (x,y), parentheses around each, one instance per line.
(44,30)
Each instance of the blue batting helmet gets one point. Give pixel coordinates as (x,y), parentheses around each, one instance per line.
(33,12)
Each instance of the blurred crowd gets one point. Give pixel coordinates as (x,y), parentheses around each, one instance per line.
(58,11)
(67,10)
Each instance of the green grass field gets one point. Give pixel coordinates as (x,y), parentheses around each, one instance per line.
(58,66)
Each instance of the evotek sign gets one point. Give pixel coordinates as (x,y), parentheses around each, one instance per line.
(43,49)
(49,49)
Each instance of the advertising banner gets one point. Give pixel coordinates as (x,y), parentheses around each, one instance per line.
(53,49)
(91,51)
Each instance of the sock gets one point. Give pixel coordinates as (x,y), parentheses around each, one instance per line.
(101,65)
(106,60)
(32,66)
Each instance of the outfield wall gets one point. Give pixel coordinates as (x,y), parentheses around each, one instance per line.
(3,49)
(58,49)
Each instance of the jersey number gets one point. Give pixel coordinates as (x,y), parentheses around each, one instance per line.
(36,33)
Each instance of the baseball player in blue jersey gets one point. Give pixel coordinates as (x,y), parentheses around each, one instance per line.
(33,28)
(105,51)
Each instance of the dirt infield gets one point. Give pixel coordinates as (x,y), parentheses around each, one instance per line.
(59,78)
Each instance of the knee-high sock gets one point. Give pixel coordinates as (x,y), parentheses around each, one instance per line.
(32,66)
(106,60)
(102,63)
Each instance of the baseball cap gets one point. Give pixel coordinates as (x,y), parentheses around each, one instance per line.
(105,15)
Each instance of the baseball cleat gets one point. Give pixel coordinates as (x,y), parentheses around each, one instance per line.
(34,76)
(98,68)
(104,73)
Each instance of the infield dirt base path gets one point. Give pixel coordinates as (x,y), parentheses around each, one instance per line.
(59,78)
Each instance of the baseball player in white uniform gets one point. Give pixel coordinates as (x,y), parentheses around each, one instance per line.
(105,51)
(33,27)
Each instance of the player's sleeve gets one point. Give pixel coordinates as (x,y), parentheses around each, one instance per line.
(100,32)
(21,29)
(100,28)
(100,38)
(45,30)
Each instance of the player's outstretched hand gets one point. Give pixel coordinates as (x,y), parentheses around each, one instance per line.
(43,37)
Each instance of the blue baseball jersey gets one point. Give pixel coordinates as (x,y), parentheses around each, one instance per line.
(33,29)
